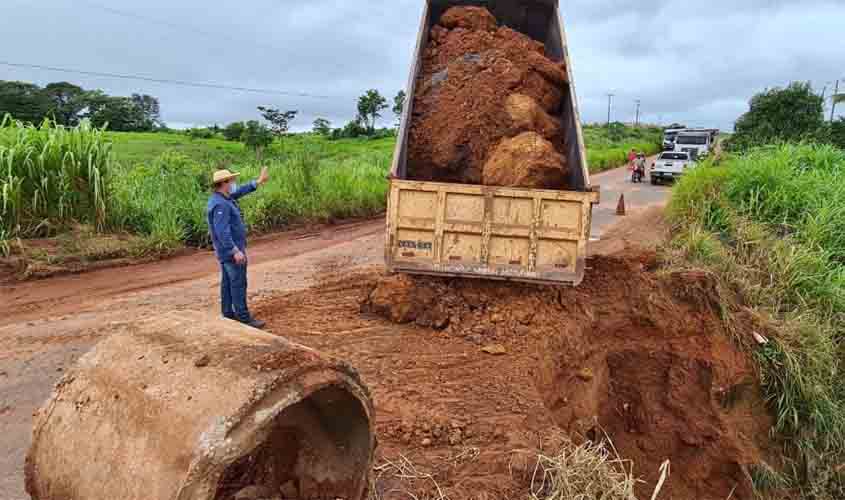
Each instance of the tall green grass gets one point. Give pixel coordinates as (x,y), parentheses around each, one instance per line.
(771,224)
(165,199)
(51,175)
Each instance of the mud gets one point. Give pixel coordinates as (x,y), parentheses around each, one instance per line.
(479,85)
(634,356)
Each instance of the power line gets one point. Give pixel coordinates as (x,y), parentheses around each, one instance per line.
(172,25)
(166,81)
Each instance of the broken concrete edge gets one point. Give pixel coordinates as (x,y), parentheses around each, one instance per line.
(239,435)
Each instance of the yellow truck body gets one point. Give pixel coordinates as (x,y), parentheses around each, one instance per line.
(475,231)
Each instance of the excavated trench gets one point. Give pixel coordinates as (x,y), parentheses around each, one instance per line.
(636,356)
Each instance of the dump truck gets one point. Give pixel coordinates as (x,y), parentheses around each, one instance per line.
(503,233)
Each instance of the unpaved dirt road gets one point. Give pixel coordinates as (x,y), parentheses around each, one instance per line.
(46,325)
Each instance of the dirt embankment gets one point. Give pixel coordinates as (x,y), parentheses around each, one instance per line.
(487,107)
(639,357)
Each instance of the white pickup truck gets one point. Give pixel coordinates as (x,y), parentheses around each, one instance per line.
(669,166)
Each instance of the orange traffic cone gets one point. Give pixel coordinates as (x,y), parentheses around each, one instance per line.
(620,209)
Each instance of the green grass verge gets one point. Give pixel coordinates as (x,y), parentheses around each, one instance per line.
(771,225)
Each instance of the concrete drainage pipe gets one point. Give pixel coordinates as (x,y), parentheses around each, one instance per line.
(185,407)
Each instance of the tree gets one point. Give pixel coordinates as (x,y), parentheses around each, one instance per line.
(149,111)
(119,114)
(256,135)
(234,131)
(280,121)
(322,126)
(68,101)
(24,101)
(370,106)
(399,106)
(786,114)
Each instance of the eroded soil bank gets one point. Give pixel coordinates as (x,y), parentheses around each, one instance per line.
(635,355)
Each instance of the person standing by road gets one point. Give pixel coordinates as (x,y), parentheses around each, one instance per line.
(228,233)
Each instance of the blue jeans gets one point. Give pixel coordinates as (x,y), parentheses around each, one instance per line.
(233,291)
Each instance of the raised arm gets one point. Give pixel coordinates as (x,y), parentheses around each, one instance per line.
(251,186)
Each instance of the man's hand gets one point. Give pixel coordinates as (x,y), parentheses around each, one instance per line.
(239,257)
(264,177)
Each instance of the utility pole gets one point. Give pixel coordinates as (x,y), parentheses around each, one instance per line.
(637,121)
(833,106)
(609,101)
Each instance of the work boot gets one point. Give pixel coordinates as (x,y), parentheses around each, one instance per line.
(256,323)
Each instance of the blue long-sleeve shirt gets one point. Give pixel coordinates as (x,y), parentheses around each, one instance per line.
(226,223)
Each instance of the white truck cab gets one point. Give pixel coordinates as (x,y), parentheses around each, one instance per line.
(697,144)
(669,165)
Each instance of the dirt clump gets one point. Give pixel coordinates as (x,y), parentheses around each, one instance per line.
(526,160)
(471,18)
(479,84)
(527,115)
(631,356)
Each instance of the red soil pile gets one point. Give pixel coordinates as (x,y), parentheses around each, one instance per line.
(639,356)
(480,85)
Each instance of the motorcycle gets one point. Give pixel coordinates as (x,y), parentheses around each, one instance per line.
(638,175)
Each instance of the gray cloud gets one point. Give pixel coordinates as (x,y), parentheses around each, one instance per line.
(696,62)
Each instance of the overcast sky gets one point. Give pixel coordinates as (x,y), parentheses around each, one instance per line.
(696,62)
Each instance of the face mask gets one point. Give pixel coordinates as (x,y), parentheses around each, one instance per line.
(233,188)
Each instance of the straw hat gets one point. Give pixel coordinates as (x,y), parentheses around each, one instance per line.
(223,176)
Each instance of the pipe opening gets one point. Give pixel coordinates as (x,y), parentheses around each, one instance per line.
(314,449)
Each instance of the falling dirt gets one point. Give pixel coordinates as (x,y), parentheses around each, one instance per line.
(471,71)
(633,355)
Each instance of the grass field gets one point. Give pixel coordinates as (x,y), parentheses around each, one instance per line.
(771,224)
(606,150)
(155,185)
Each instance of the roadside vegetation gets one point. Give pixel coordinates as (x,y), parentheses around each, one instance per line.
(155,186)
(608,147)
(769,223)
(62,185)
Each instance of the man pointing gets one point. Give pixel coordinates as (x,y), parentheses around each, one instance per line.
(228,233)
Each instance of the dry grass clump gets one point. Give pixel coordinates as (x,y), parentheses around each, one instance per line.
(557,470)
(590,471)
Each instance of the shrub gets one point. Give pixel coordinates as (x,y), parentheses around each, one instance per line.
(234,131)
(793,113)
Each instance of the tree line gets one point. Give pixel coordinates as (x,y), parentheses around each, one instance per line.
(68,104)
(256,135)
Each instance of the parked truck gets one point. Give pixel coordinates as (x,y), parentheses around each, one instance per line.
(476,231)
